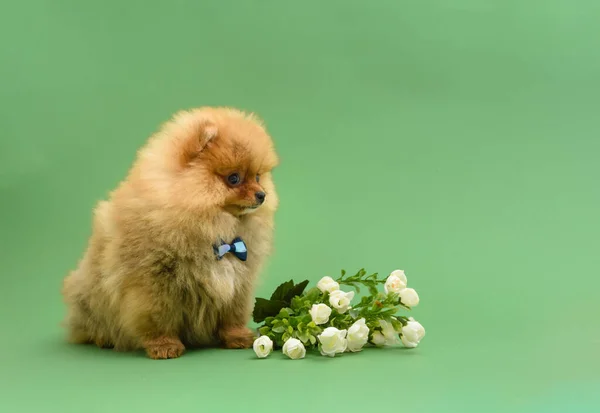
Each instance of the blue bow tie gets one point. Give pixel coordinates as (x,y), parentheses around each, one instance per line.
(237,248)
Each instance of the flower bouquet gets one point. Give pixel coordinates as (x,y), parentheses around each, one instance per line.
(324,318)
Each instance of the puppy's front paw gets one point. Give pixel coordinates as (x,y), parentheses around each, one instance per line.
(164,348)
(237,337)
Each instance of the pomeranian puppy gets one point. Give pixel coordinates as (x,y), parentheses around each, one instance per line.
(175,251)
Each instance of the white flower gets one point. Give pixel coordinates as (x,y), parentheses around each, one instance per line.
(294,349)
(389,333)
(395,282)
(328,284)
(378,339)
(320,313)
(412,333)
(263,346)
(333,341)
(409,297)
(341,300)
(358,335)
(387,336)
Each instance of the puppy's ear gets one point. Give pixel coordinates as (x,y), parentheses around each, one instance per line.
(197,132)
(207,131)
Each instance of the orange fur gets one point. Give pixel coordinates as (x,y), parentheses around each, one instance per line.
(149,278)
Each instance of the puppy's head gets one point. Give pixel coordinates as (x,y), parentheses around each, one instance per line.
(221,159)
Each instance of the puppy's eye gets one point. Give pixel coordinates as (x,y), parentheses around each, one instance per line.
(234,179)
(257,178)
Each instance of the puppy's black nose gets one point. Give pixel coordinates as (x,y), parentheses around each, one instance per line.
(260,197)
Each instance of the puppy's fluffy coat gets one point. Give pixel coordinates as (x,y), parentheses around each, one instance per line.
(149,278)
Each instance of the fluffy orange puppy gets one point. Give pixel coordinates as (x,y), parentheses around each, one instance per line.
(175,252)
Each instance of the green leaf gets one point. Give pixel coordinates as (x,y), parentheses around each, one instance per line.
(281,291)
(290,329)
(288,290)
(312,295)
(285,337)
(312,339)
(301,327)
(403,320)
(278,341)
(315,330)
(297,290)
(266,308)
(297,303)
(304,337)
(264,330)
(396,324)
(278,329)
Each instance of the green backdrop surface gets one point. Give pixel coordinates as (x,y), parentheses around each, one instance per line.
(457,140)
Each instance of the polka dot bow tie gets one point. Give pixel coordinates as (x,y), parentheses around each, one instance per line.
(237,248)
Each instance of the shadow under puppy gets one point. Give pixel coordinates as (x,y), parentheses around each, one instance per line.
(175,252)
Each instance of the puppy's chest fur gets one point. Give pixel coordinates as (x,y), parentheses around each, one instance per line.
(199,272)
(218,279)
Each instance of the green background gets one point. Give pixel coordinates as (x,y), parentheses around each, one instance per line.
(457,140)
